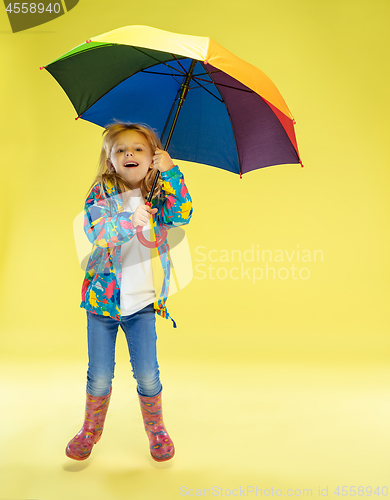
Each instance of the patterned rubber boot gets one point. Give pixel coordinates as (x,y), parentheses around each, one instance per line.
(161,446)
(80,447)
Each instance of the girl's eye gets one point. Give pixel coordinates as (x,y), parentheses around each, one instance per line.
(139,149)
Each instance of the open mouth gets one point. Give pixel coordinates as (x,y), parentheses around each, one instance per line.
(131,164)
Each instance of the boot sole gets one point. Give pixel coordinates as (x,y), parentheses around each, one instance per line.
(162,459)
(82,458)
(76,458)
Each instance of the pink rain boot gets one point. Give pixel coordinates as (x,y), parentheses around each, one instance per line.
(95,413)
(161,446)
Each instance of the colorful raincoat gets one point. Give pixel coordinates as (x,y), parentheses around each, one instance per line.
(108,226)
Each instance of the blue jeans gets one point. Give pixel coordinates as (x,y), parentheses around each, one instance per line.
(140,332)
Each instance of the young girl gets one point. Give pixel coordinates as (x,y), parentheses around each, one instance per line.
(125,282)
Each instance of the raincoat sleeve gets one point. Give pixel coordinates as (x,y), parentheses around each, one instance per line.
(175,208)
(103,224)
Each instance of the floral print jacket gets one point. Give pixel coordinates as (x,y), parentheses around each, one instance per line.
(108,226)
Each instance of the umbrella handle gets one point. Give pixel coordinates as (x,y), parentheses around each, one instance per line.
(151,244)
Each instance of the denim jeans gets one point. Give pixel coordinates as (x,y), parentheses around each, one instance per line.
(140,332)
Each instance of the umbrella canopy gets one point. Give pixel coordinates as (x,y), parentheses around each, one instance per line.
(233,118)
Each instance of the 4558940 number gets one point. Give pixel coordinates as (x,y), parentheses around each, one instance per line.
(361,491)
(32,8)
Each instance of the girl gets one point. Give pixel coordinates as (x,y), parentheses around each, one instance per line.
(121,284)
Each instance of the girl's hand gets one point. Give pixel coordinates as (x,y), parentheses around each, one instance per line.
(162,161)
(142,215)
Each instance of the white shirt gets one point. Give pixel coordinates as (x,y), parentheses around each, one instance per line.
(137,289)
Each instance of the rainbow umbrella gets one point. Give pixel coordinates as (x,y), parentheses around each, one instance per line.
(207,105)
(234,117)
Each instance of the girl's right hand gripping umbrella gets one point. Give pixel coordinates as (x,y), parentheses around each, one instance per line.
(207,105)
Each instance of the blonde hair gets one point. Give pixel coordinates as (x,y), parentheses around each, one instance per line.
(104,174)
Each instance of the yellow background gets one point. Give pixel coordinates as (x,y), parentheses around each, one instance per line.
(279,383)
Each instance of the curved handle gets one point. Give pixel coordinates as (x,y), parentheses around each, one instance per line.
(151,244)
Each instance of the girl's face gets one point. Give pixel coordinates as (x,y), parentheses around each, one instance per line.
(131,157)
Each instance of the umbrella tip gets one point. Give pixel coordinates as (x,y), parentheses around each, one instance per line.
(87,41)
(42,67)
(294,122)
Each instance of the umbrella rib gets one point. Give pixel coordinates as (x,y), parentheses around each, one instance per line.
(158,73)
(179,63)
(164,74)
(155,59)
(228,86)
(181,73)
(209,72)
(204,88)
